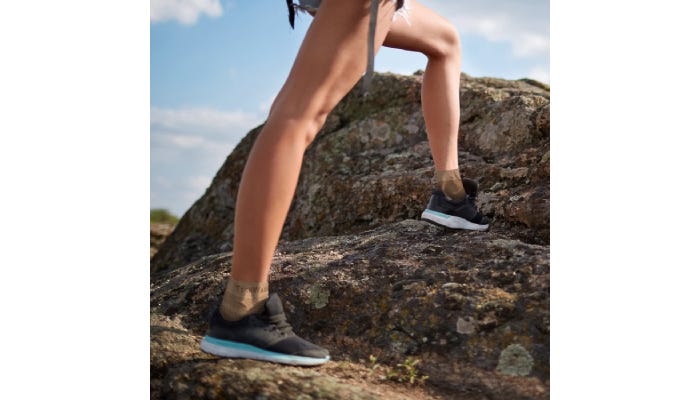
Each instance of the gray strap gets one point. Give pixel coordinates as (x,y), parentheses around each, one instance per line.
(374,10)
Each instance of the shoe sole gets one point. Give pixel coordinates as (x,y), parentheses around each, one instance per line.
(450,221)
(225,348)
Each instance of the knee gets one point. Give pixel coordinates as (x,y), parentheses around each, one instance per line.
(315,123)
(302,116)
(301,127)
(447,44)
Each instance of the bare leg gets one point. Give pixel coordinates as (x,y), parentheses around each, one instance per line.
(330,61)
(434,36)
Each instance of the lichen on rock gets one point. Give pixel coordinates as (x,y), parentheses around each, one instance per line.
(466,326)
(515,361)
(318,296)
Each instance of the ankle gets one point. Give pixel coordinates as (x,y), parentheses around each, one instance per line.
(242,299)
(450,183)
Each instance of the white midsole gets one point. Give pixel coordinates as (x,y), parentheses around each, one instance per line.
(451,221)
(224,351)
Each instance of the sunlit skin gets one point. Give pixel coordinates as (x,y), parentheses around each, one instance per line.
(330,61)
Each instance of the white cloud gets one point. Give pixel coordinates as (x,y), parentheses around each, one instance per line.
(185,141)
(522,24)
(539,73)
(264,106)
(201,121)
(530,44)
(188,145)
(184,11)
(200,133)
(163,181)
(199,182)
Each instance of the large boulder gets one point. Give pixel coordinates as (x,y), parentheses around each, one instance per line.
(464,315)
(371,165)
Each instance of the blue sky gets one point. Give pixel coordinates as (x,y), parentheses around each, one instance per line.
(216,66)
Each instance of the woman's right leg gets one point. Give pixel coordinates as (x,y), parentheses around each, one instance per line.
(330,61)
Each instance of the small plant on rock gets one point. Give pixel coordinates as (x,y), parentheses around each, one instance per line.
(373,364)
(407,372)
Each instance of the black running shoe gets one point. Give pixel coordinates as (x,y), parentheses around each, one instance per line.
(266,336)
(456,215)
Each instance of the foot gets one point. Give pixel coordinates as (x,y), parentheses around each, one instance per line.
(266,336)
(456,214)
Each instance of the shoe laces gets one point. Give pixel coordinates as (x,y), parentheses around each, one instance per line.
(280,324)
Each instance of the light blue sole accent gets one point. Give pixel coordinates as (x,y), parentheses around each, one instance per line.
(439,214)
(451,221)
(225,348)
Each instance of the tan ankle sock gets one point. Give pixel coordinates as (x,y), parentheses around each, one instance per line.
(450,183)
(243,298)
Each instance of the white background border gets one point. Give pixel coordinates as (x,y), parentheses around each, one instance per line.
(74,93)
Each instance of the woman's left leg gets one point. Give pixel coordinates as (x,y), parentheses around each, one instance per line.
(437,38)
(434,36)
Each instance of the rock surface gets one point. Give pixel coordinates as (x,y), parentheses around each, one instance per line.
(159,232)
(375,152)
(472,307)
(365,278)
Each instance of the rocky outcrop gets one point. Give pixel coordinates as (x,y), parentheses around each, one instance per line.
(472,307)
(374,151)
(159,232)
(393,298)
